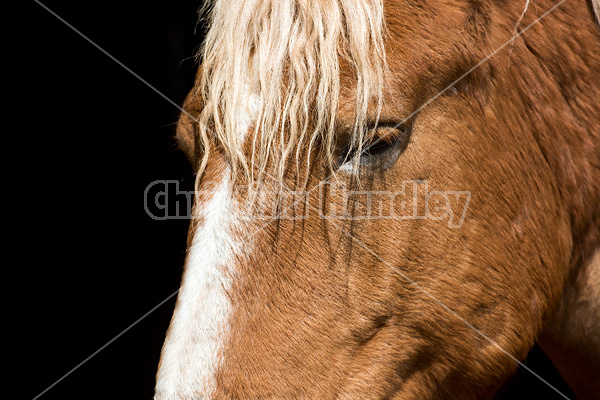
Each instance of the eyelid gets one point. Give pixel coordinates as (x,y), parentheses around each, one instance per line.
(387,132)
(388,135)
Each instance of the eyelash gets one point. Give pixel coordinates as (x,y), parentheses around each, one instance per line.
(395,137)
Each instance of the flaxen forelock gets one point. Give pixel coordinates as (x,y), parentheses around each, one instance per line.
(278,62)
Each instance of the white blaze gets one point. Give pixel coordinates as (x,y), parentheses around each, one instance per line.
(200,325)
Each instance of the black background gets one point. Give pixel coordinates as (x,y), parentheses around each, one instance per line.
(87,260)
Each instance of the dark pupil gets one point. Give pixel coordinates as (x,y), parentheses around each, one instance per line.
(376,148)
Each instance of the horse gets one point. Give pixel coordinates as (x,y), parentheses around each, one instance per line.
(394,200)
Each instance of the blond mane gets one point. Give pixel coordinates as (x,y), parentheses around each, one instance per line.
(274,65)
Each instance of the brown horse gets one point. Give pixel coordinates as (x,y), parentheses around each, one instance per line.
(396,200)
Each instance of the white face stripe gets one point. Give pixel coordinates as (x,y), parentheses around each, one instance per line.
(199,327)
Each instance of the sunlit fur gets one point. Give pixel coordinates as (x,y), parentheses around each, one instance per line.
(378,308)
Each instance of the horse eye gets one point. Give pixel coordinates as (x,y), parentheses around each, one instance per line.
(389,141)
